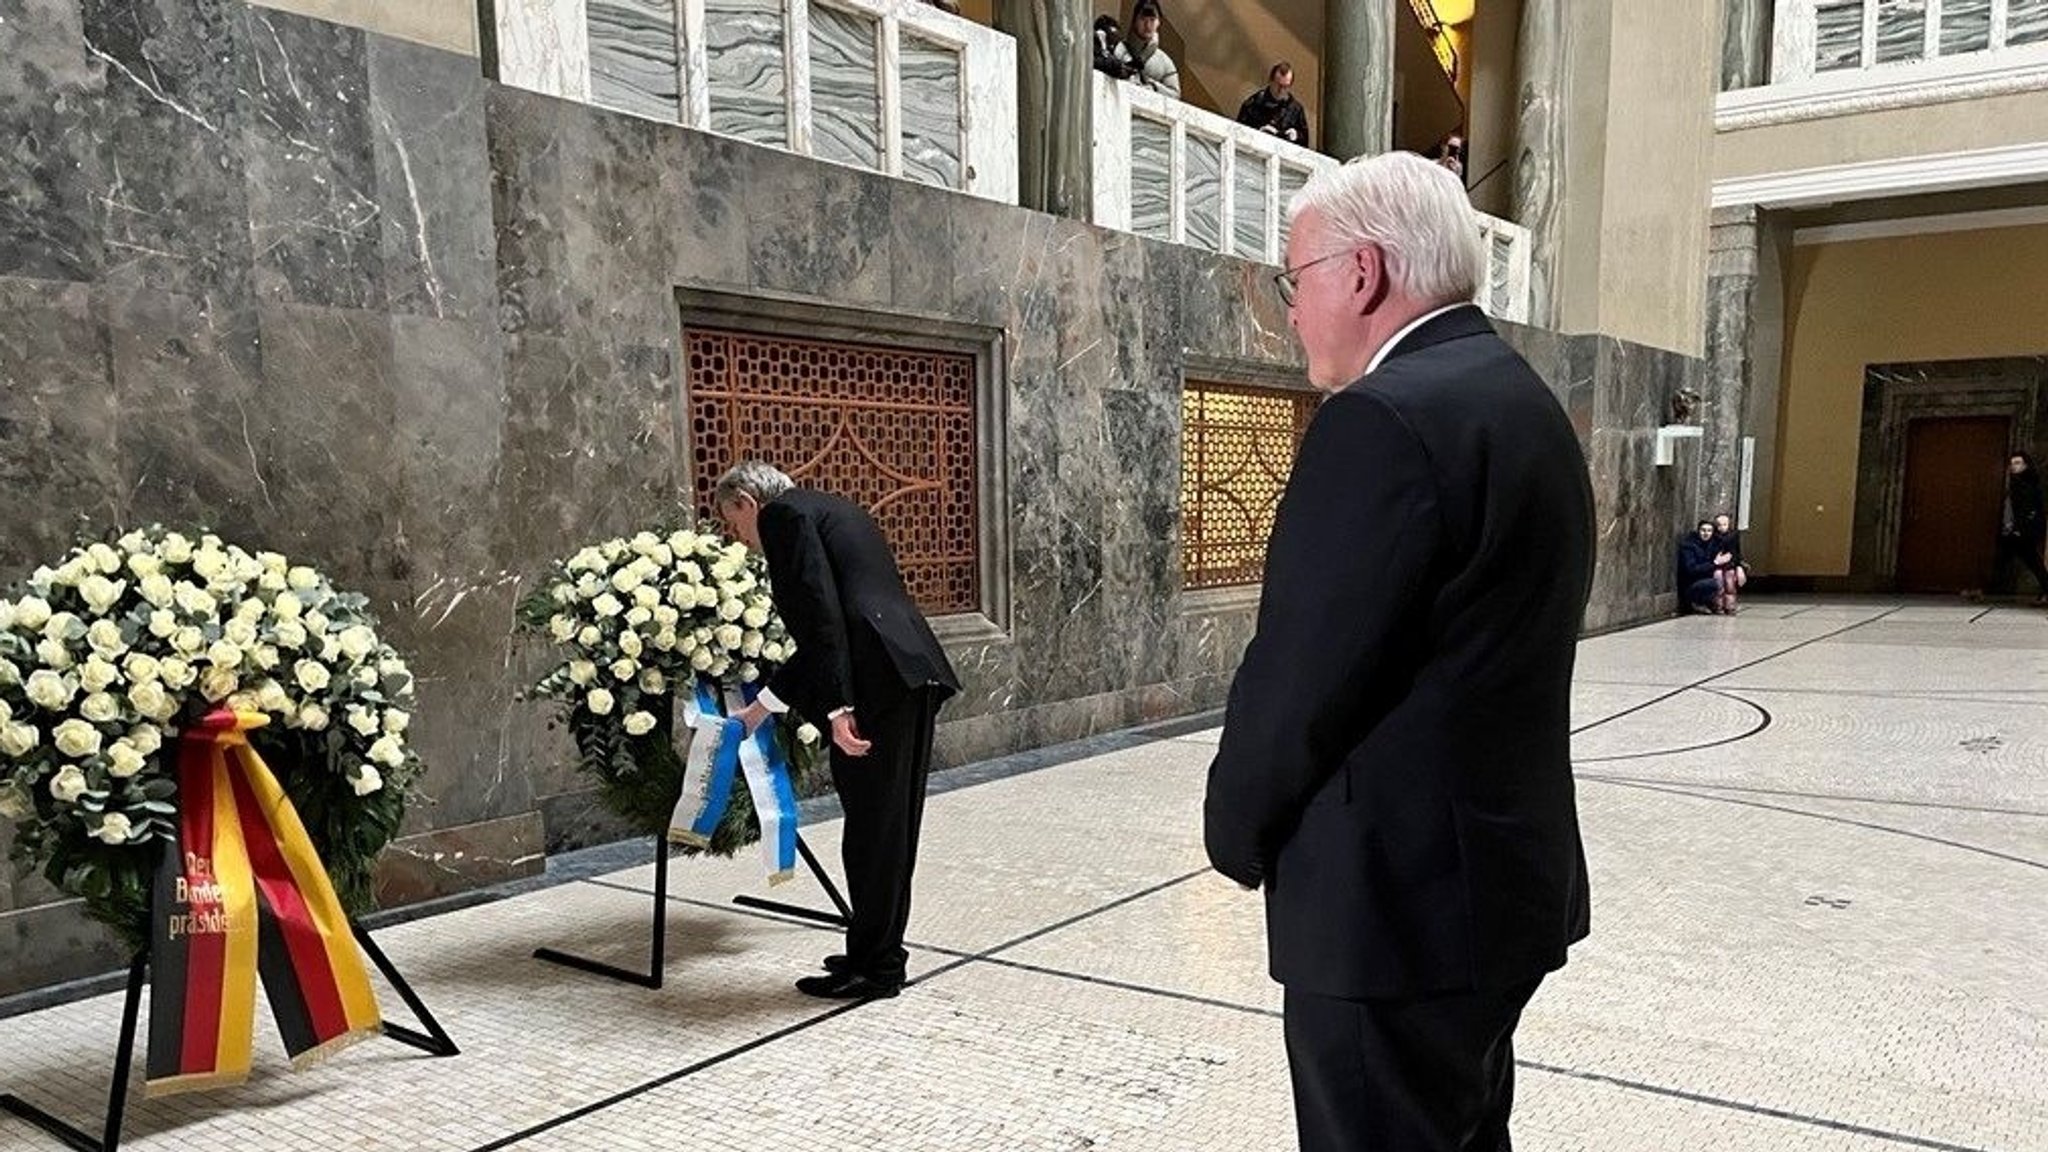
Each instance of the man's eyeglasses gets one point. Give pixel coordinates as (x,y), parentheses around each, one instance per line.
(1290,280)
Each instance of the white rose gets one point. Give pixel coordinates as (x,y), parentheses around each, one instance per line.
(665,639)
(151,700)
(176,549)
(62,627)
(210,565)
(707,597)
(49,691)
(653,682)
(363,720)
(689,644)
(271,697)
(682,595)
(158,590)
(562,629)
(224,654)
(6,615)
(303,578)
(607,605)
(807,734)
(124,760)
(720,667)
(114,829)
(397,721)
(599,702)
(683,541)
(188,640)
(729,636)
(562,593)
(389,665)
(272,562)
(639,617)
(750,644)
(628,578)
(99,708)
(287,606)
(590,636)
(193,601)
(666,616)
(146,738)
(358,642)
(141,667)
(105,638)
(330,649)
(731,610)
(724,570)
(251,610)
(218,684)
(312,675)
(101,593)
(388,751)
(749,673)
(54,653)
(265,657)
(18,740)
(76,739)
(9,673)
(96,675)
(105,558)
(316,623)
(366,676)
(582,672)
(163,623)
(639,723)
(632,645)
(176,673)
(240,631)
(771,652)
(313,718)
(755,618)
(290,633)
(6,714)
(15,804)
(625,669)
(366,780)
(271,582)
(701,659)
(646,597)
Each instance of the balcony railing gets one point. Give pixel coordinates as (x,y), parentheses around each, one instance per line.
(1824,37)
(1172,171)
(894,86)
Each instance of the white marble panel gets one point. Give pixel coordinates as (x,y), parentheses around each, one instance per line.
(1901,30)
(544,46)
(1251,215)
(1292,180)
(1793,41)
(1112,159)
(696,65)
(846,91)
(2026,22)
(633,57)
(1151,178)
(747,70)
(934,145)
(1965,26)
(1204,190)
(988,73)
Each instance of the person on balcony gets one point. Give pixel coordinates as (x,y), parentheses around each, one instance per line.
(1150,65)
(1274,109)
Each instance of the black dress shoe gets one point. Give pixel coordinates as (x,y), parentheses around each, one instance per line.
(837,964)
(846,986)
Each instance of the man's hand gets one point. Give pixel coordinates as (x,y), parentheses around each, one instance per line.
(847,736)
(753,716)
(1269,130)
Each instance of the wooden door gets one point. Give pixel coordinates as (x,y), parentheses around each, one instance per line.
(1955,485)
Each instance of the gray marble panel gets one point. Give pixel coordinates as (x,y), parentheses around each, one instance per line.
(433,182)
(933,118)
(1151,178)
(314,211)
(1839,36)
(1499,287)
(1292,181)
(526,135)
(634,63)
(1248,206)
(1965,26)
(58,419)
(1204,186)
(846,88)
(788,252)
(745,46)
(2026,22)
(49,221)
(1901,30)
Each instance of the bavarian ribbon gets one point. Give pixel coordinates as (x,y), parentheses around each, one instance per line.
(241,894)
(719,749)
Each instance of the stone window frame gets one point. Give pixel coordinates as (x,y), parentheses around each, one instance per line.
(1204,369)
(803,319)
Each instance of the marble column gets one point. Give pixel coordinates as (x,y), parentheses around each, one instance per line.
(1055,117)
(1358,76)
(1539,161)
(1746,43)
(1745,348)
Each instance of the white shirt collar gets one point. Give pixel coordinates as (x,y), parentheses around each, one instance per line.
(1387,349)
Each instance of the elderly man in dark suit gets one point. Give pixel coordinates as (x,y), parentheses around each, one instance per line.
(1395,767)
(866,663)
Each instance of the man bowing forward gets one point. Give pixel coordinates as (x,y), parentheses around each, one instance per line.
(1395,767)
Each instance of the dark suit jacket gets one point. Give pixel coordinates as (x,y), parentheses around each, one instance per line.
(860,640)
(1396,762)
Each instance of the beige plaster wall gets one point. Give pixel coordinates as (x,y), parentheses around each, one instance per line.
(1961,126)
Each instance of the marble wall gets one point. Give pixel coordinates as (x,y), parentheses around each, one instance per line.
(333,294)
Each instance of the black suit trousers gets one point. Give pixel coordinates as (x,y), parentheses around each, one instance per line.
(882,794)
(1429,1074)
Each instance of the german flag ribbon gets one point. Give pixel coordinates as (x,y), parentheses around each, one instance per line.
(241,894)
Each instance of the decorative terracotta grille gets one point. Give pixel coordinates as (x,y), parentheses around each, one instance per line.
(1237,449)
(892,429)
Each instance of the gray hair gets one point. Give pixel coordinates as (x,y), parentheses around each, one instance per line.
(764,482)
(1413,210)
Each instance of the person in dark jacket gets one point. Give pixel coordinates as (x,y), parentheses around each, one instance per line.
(1395,767)
(1732,572)
(2023,522)
(1274,109)
(868,665)
(1699,588)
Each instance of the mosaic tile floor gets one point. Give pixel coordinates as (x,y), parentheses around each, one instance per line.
(1819,841)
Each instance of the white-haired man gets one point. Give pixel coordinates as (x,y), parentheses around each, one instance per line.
(1395,764)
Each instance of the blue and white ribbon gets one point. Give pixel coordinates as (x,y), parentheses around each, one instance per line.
(719,747)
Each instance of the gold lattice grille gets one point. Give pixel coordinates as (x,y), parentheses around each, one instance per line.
(892,429)
(1237,449)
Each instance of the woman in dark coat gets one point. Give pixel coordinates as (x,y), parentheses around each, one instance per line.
(2023,522)
(1699,588)
(1728,566)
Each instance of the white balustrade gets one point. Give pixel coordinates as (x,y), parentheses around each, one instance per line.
(1815,38)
